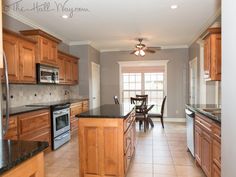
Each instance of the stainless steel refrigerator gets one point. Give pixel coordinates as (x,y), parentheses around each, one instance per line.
(4,96)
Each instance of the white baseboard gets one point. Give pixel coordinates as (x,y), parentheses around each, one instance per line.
(170,120)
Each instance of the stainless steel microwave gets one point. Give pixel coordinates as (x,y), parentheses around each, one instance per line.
(47,74)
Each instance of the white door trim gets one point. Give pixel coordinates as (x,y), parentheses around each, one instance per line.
(97,66)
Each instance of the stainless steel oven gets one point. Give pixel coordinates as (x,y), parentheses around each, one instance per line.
(61,125)
(47,74)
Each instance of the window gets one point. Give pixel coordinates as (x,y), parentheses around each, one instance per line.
(150,83)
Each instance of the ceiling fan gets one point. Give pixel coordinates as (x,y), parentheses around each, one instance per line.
(141,49)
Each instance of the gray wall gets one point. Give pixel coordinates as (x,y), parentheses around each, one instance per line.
(228,89)
(177,69)
(87,55)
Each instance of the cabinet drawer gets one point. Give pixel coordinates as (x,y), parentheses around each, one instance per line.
(75,109)
(33,121)
(217,153)
(12,129)
(203,122)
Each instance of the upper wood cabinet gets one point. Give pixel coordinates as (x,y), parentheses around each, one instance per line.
(68,68)
(212,54)
(46,52)
(20,54)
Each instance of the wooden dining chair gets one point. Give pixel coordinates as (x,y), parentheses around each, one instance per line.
(161,114)
(140,113)
(116,100)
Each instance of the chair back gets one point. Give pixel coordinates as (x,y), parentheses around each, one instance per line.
(143,96)
(140,104)
(163,106)
(116,100)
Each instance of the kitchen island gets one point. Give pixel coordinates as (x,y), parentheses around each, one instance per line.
(106,141)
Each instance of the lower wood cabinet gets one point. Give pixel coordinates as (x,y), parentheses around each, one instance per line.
(32,126)
(75,109)
(12,129)
(106,146)
(35,126)
(207,145)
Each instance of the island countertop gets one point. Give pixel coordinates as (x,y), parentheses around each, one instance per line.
(108,111)
(13,153)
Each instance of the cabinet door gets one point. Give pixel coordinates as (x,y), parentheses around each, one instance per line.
(75,71)
(45,50)
(68,70)
(216,154)
(27,62)
(61,65)
(53,53)
(207,58)
(11,49)
(206,153)
(198,145)
(216,57)
(216,172)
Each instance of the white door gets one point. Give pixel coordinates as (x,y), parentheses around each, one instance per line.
(193,81)
(95,85)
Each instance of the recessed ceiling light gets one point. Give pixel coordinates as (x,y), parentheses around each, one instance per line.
(174,6)
(64,16)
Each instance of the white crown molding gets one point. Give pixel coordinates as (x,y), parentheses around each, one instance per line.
(205,26)
(34,25)
(175,47)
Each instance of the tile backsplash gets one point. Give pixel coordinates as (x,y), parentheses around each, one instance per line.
(29,94)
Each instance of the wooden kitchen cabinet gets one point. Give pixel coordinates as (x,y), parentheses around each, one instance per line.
(27,62)
(75,110)
(212,55)
(35,126)
(46,48)
(20,54)
(68,68)
(206,153)
(85,105)
(198,146)
(12,129)
(207,145)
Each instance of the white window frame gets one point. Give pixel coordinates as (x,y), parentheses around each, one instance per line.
(143,63)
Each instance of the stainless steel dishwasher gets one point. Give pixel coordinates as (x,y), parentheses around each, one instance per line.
(190,130)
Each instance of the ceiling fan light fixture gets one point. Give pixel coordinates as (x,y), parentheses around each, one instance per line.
(137,53)
(142,53)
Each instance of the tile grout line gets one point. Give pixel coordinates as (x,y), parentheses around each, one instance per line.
(152,155)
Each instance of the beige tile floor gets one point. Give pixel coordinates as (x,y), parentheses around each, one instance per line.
(159,153)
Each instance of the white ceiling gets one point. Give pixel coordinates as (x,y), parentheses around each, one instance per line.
(114,24)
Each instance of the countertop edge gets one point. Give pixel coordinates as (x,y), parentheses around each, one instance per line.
(208,115)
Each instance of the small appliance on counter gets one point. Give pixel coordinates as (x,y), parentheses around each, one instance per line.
(47,74)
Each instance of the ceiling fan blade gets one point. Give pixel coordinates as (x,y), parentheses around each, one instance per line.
(150,50)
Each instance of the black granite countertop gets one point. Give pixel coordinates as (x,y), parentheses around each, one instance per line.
(201,108)
(13,153)
(108,111)
(39,106)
